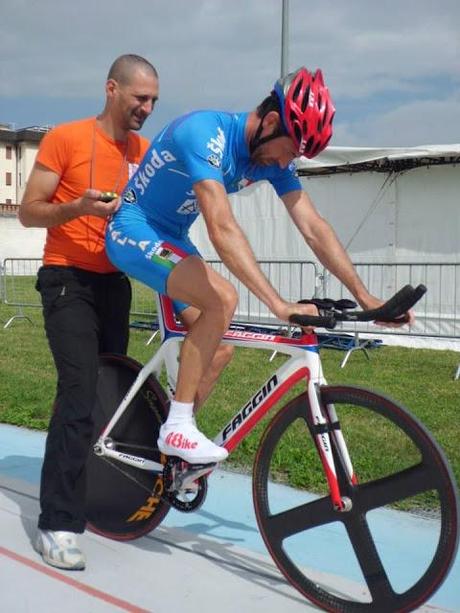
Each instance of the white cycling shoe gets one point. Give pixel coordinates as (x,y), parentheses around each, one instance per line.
(185,441)
(60,549)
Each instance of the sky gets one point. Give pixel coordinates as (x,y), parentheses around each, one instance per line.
(392,66)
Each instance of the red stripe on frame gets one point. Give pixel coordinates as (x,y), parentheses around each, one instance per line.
(331,478)
(91,591)
(257,415)
(173,326)
(168,315)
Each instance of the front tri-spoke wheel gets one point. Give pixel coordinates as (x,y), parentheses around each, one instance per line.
(394,546)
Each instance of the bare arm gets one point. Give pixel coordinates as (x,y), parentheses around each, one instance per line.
(38,211)
(324,243)
(235,251)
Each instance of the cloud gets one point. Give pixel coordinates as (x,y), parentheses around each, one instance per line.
(214,53)
(61,49)
(425,122)
(366,48)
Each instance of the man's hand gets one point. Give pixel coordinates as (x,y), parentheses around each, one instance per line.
(371,302)
(286,309)
(89,204)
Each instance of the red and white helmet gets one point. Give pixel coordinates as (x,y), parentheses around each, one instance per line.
(307,110)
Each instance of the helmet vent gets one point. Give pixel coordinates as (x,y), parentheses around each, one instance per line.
(296,92)
(305,100)
(315,149)
(298,132)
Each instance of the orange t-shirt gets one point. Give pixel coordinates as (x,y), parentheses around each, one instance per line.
(84,156)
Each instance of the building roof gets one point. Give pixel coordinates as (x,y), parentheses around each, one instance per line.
(31,134)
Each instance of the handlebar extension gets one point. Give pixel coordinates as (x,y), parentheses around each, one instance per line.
(393,310)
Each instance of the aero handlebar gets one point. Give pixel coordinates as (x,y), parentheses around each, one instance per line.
(333,311)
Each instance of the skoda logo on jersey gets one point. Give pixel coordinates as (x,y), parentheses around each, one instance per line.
(217,146)
(214,160)
(130,196)
(153,162)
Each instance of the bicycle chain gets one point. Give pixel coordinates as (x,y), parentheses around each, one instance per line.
(170,498)
(130,477)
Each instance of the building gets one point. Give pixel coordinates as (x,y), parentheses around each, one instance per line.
(18,149)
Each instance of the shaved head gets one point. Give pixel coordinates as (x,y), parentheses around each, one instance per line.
(125,65)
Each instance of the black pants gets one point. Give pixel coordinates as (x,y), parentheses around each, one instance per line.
(85,314)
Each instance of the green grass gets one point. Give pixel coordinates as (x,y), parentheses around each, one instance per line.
(421,379)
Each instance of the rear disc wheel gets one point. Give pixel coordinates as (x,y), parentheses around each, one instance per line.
(125,502)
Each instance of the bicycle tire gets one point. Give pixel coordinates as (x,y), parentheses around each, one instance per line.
(428,471)
(124,502)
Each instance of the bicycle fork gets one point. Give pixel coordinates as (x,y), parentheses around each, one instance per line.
(327,433)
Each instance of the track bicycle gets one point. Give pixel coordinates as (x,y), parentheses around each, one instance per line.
(330,431)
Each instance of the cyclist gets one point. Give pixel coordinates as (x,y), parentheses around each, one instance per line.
(189,169)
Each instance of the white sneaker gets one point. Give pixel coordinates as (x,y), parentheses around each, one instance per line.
(185,441)
(60,549)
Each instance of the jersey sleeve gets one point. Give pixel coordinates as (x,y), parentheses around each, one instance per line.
(54,149)
(285,180)
(200,142)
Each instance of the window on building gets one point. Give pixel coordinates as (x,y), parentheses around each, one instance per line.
(8,178)
(20,179)
(19,152)
(8,201)
(9,151)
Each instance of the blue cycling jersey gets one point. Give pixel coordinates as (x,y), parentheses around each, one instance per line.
(148,235)
(200,145)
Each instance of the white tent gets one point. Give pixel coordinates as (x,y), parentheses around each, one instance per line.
(396,204)
(393,206)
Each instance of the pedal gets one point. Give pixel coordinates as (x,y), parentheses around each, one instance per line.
(185,484)
(193,473)
(209,466)
(181,475)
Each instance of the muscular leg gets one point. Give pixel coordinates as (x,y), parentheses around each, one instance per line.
(172,269)
(196,283)
(220,360)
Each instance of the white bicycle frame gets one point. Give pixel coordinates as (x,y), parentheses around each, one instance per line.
(303,364)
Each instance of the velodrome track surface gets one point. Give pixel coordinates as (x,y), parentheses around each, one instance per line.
(207,561)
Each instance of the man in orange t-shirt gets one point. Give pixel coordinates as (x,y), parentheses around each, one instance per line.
(86,301)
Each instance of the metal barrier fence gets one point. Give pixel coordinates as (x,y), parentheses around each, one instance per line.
(19,276)
(292,280)
(18,285)
(17,289)
(438,313)
(2,281)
